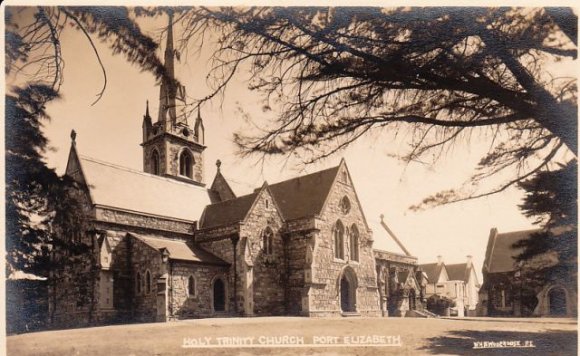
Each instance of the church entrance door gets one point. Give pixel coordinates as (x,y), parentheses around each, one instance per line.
(348,291)
(219,296)
(557,300)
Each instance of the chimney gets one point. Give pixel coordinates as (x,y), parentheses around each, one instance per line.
(469,260)
(439,259)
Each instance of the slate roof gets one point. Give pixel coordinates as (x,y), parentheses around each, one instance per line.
(432,270)
(499,256)
(220,189)
(299,197)
(458,272)
(227,212)
(303,196)
(181,250)
(127,189)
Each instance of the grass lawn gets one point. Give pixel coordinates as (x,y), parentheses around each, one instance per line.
(416,336)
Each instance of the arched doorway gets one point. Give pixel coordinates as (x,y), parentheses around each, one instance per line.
(348,291)
(219,296)
(557,300)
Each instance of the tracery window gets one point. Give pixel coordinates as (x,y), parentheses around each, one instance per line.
(185,164)
(344,205)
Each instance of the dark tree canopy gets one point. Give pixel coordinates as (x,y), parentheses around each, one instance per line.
(552,198)
(43,210)
(440,75)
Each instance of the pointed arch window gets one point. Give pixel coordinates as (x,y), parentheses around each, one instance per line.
(186,164)
(191,286)
(155,163)
(267,241)
(147,282)
(354,243)
(344,205)
(138,283)
(339,240)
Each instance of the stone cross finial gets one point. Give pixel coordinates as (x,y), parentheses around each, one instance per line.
(73,136)
(218,164)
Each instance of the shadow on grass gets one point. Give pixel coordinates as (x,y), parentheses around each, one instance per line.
(461,342)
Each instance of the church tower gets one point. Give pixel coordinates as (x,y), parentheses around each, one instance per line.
(171,147)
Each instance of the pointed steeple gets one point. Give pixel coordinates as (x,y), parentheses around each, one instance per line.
(167,112)
(147,122)
(147,117)
(171,147)
(199,130)
(169,51)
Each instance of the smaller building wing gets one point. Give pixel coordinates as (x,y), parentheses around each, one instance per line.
(181,250)
(500,255)
(227,212)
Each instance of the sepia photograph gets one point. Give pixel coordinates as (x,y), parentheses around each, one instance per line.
(290,180)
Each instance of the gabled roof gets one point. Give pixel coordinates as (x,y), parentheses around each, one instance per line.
(304,196)
(296,198)
(500,255)
(220,189)
(433,271)
(458,272)
(180,250)
(126,189)
(227,212)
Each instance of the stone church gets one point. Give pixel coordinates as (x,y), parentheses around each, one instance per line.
(165,246)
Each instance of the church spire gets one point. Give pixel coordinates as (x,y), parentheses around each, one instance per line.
(171,147)
(167,92)
(169,51)
(199,130)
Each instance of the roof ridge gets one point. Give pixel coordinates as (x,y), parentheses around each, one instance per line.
(131,170)
(519,231)
(299,177)
(234,199)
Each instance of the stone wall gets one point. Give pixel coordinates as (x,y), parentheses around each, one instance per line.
(394,294)
(224,249)
(174,148)
(324,294)
(198,305)
(299,260)
(141,222)
(266,275)
(143,258)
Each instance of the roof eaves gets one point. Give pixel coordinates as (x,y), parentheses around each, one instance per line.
(326,199)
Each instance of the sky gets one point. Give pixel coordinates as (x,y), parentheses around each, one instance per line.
(110,131)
